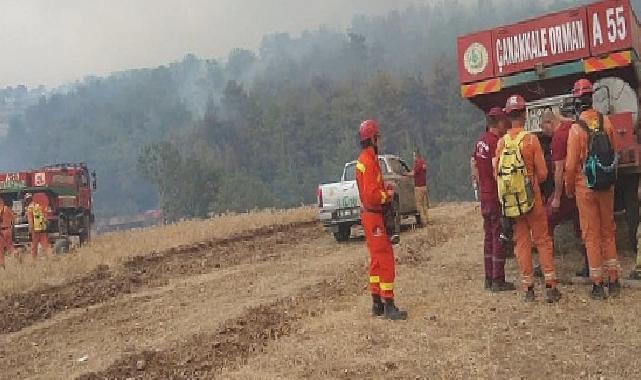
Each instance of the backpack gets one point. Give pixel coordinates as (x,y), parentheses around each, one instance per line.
(600,167)
(514,186)
(39,221)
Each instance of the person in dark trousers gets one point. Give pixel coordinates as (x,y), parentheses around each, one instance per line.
(484,180)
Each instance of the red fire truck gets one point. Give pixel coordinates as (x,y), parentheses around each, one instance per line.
(68,189)
(541,58)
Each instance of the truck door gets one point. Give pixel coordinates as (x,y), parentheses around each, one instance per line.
(404,185)
(408,184)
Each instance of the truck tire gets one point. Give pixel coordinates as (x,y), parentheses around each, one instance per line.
(344,233)
(629,184)
(418,220)
(61,246)
(85,230)
(397,216)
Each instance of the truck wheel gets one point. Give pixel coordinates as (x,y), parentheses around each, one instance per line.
(397,217)
(61,246)
(418,220)
(85,230)
(343,234)
(630,186)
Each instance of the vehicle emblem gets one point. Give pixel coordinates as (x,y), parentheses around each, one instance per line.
(476,58)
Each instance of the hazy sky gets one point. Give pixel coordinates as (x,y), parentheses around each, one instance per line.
(56,41)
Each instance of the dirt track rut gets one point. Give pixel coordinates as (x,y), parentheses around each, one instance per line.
(194,321)
(21,310)
(208,355)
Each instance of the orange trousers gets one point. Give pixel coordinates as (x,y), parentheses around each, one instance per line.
(6,240)
(534,226)
(41,238)
(6,244)
(382,271)
(596,214)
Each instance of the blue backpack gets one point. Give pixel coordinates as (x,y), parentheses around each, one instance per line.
(600,167)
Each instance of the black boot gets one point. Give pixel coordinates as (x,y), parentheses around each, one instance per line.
(529,294)
(488,283)
(598,293)
(614,289)
(502,286)
(552,294)
(377,306)
(393,313)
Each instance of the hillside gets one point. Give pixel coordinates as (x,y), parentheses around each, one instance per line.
(278,298)
(264,128)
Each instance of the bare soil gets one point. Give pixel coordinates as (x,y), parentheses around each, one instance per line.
(292,303)
(20,310)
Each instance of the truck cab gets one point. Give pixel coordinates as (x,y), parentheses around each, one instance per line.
(65,191)
(340,206)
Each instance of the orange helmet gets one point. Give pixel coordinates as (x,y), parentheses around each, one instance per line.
(515,103)
(582,87)
(368,129)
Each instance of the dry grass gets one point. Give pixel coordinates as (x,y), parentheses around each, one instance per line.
(112,248)
(458,330)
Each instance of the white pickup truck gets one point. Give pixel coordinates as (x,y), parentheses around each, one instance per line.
(340,204)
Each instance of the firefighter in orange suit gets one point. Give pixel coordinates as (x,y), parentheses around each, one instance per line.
(374,197)
(6,230)
(36,216)
(596,208)
(534,224)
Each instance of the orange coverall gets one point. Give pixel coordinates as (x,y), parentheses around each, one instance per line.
(374,196)
(37,237)
(596,208)
(6,232)
(533,225)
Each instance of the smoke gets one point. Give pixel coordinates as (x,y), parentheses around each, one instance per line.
(54,42)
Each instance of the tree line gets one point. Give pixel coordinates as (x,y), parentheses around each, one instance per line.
(263,128)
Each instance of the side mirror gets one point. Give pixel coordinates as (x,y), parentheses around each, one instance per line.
(94,183)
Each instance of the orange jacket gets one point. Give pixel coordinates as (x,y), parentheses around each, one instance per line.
(532,156)
(578,149)
(369,179)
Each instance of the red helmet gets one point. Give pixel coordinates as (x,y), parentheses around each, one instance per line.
(368,129)
(582,87)
(496,112)
(514,103)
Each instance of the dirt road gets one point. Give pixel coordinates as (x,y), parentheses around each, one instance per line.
(288,302)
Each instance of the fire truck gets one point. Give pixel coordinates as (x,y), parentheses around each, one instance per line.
(542,57)
(67,190)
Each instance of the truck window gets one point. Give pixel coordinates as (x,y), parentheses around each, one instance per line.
(396,166)
(350,170)
(350,174)
(405,167)
(383,165)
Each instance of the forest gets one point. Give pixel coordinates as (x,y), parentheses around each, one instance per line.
(263,128)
